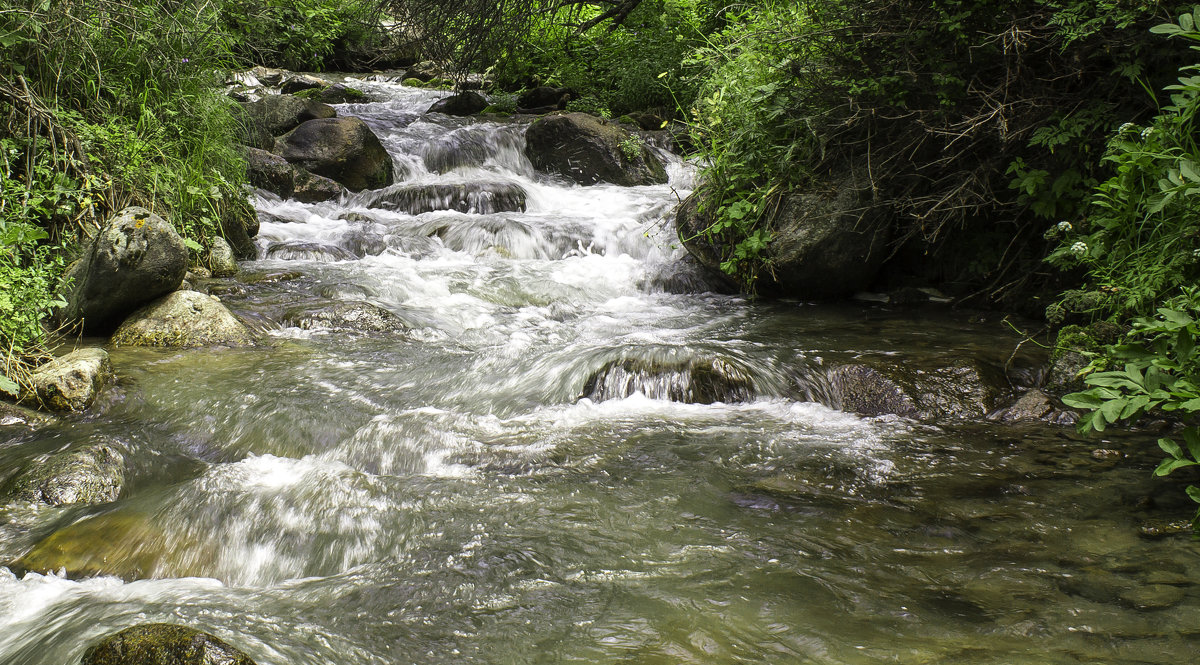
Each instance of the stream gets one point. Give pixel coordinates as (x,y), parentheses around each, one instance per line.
(531,468)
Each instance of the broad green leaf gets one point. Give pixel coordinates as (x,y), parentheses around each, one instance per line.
(1191,437)
(1186,22)
(1112,409)
(1166,29)
(1083,400)
(1169,465)
(1194,492)
(1171,448)
(1175,316)
(9,387)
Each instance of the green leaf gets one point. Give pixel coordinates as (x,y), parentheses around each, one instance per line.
(1186,22)
(1169,465)
(1166,29)
(1194,492)
(1171,448)
(1191,436)
(9,387)
(193,245)
(1112,409)
(1083,400)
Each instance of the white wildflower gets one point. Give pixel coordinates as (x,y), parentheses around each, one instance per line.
(1147,133)
(1079,249)
(1126,127)
(1064,227)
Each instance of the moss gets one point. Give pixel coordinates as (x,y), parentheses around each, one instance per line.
(413,82)
(311,93)
(148,644)
(1078,305)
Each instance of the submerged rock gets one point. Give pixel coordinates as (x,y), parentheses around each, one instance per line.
(70,382)
(183,319)
(128,546)
(462,104)
(475,197)
(356,316)
(15,415)
(342,149)
(1035,405)
(135,258)
(590,150)
(690,380)
(163,644)
(89,475)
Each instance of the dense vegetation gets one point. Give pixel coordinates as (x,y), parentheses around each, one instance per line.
(1022,149)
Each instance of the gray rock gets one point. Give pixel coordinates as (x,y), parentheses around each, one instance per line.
(183,319)
(1033,406)
(462,104)
(13,415)
(828,240)
(298,82)
(590,150)
(424,71)
(163,644)
(70,382)
(312,188)
(269,171)
(359,317)
(342,149)
(475,197)
(340,94)
(238,231)
(278,114)
(688,380)
(268,76)
(221,261)
(544,99)
(135,258)
(965,389)
(90,475)
(1152,596)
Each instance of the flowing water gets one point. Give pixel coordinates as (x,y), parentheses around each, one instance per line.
(534,464)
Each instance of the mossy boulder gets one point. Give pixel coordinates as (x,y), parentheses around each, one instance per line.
(341,149)
(591,150)
(828,240)
(221,261)
(163,644)
(1074,348)
(137,257)
(70,382)
(544,99)
(183,319)
(92,474)
(269,171)
(312,188)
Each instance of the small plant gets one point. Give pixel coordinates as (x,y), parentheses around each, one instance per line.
(631,147)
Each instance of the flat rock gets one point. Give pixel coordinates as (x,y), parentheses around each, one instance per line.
(356,316)
(70,382)
(183,319)
(92,474)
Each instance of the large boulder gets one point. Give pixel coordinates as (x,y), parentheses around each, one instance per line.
(688,380)
(342,149)
(279,114)
(183,319)
(90,475)
(269,171)
(590,150)
(544,99)
(301,82)
(828,240)
(135,258)
(312,188)
(464,103)
(70,382)
(163,644)
(239,228)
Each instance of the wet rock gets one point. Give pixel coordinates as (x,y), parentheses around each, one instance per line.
(647,121)
(963,390)
(688,380)
(269,171)
(590,150)
(308,251)
(1034,406)
(13,415)
(362,243)
(359,317)
(163,644)
(92,474)
(544,99)
(239,229)
(1074,348)
(455,150)
(1152,596)
(183,319)
(278,114)
(340,94)
(221,261)
(1106,454)
(135,258)
(462,104)
(342,149)
(70,382)
(474,197)
(1164,528)
(300,82)
(268,76)
(1169,578)
(424,71)
(828,240)
(271,277)
(312,188)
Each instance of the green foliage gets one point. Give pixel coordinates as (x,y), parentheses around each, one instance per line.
(299,34)
(1142,236)
(1160,361)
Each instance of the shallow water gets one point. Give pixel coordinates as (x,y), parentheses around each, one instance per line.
(467,490)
